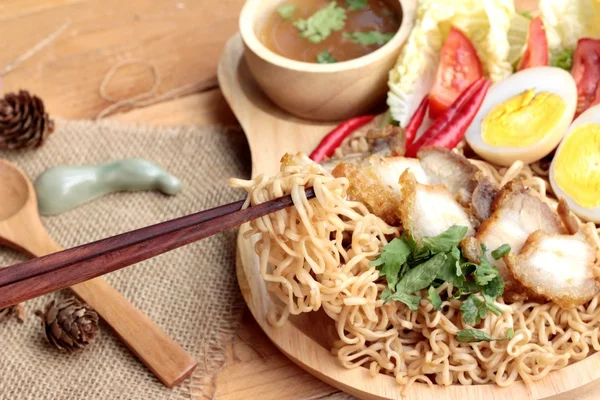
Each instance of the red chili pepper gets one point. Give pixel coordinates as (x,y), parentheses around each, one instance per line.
(410,132)
(334,139)
(450,127)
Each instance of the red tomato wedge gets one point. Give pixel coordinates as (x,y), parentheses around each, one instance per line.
(586,72)
(536,54)
(459,67)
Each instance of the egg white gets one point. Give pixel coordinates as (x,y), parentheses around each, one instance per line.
(542,79)
(591,115)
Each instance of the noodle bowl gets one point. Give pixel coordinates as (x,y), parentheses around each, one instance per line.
(316,255)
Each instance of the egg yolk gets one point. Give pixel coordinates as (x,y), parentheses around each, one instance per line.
(577,166)
(522,120)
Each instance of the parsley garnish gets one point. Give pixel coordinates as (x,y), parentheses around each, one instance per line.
(287,11)
(320,25)
(563,60)
(434,298)
(409,268)
(356,5)
(372,38)
(325,57)
(475,335)
(394,255)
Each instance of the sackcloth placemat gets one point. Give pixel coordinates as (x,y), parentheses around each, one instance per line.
(191,292)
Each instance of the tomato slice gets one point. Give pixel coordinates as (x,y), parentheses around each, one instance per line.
(459,67)
(536,54)
(586,72)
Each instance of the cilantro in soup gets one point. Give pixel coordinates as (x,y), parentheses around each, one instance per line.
(325,31)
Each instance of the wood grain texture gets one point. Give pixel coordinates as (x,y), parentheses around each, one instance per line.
(21,228)
(183,39)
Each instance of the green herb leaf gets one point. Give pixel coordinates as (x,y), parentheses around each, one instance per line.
(491,306)
(563,60)
(394,255)
(434,298)
(451,270)
(494,288)
(501,251)
(422,275)
(356,5)
(287,11)
(476,335)
(410,300)
(485,272)
(526,14)
(321,24)
(446,241)
(372,38)
(473,309)
(325,57)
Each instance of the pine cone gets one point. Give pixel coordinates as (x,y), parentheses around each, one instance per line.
(17,311)
(23,122)
(70,325)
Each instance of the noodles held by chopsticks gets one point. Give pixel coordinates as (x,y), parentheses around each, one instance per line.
(316,255)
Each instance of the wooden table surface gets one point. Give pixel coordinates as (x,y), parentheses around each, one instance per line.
(183,39)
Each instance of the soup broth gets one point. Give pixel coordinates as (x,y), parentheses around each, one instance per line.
(368,25)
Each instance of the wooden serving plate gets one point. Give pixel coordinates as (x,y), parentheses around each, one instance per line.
(307,339)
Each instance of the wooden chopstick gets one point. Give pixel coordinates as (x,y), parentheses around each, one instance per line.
(60,270)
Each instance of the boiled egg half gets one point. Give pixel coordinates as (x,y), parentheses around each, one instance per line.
(524,117)
(575,169)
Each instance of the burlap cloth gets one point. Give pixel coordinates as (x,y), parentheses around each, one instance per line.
(191,292)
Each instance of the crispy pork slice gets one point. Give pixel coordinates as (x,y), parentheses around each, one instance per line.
(428,210)
(463,179)
(374,182)
(558,268)
(516,215)
(443,166)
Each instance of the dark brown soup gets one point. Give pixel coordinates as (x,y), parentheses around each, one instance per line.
(326,31)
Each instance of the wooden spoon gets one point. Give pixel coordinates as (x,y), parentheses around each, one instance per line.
(22,229)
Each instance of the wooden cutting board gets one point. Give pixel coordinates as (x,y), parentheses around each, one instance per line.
(307,339)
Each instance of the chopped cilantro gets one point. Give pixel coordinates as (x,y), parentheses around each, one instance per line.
(409,268)
(434,298)
(421,276)
(321,24)
(476,335)
(484,273)
(473,309)
(411,301)
(372,38)
(287,11)
(446,241)
(356,5)
(325,57)
(394,255)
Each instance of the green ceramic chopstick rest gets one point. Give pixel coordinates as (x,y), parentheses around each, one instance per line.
(63,188)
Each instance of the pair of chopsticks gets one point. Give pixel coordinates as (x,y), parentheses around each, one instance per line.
(66,268)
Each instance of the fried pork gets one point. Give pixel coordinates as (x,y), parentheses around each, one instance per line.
(428,210)
(516,214)
(374,182)
(559,268)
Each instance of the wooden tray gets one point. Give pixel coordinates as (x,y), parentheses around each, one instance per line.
(306,339)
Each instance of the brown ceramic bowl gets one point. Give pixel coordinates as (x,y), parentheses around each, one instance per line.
(320,92)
